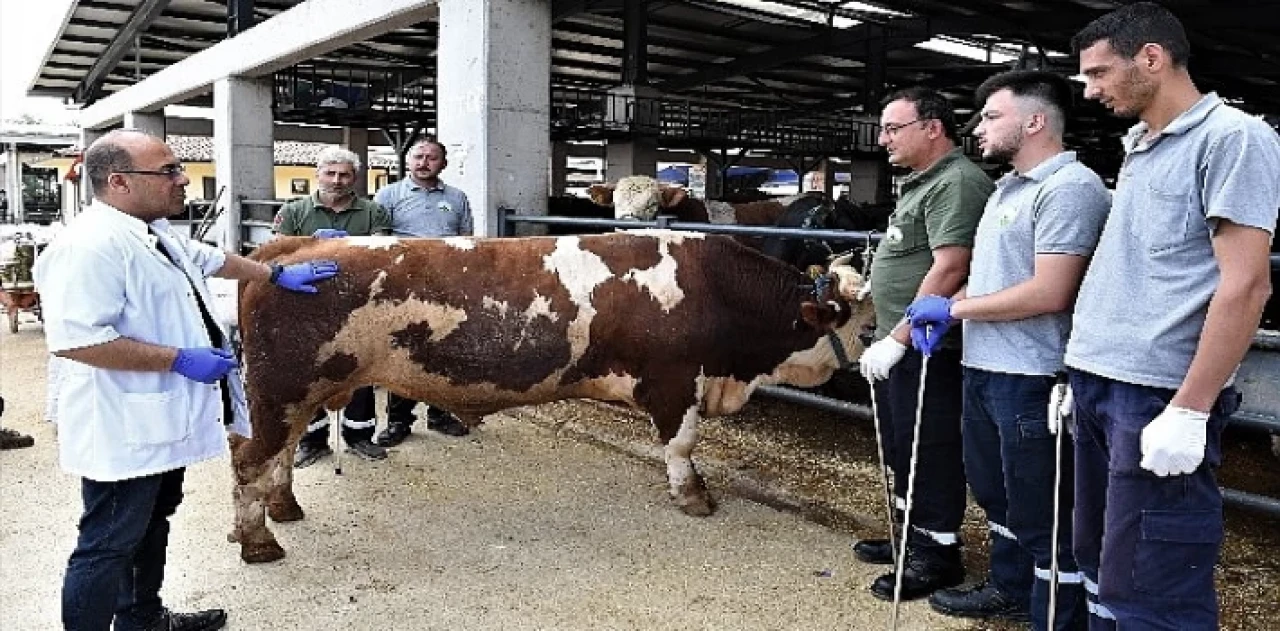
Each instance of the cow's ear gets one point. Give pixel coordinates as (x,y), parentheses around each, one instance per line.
(819,316)
(672,196)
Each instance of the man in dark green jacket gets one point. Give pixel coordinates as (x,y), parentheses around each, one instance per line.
(335,210)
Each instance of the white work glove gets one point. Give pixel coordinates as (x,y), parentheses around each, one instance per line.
(1061,406)
(1173,443)
(880,357)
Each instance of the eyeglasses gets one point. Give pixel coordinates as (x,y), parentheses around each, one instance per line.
(172,172)
(893,130)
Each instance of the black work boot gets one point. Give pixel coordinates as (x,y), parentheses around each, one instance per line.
(309,454)
(207,620)
(983,600)
(446,423)
(365,449)
(874,551)
(394,434)
(927,570)
(12,439)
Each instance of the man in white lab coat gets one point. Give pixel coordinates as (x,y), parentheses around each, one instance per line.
(151,380)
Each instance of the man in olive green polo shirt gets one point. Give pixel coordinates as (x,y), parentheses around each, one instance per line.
(925,250)
(335,210)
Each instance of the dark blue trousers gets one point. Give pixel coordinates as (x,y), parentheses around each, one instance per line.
(358,420)
(118,564)
(938,506)
(1147,545)
(1009,460)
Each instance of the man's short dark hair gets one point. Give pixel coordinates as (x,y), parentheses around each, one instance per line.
(106,156)
(1051,88)
(444,151)
(1131,27)
(930,105)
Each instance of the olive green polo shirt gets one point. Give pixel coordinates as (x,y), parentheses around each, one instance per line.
(937,207)
(304,215)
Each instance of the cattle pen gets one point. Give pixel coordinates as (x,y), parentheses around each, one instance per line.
(1258,378)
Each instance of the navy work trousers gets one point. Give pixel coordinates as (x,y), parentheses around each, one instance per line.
(938,506)
(359,419)
(117,566)
(1009,459)
(1147,545)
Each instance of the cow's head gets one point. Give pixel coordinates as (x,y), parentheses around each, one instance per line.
(840,309)
(601,194)
(641,197)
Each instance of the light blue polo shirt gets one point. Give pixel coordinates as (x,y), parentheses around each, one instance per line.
(416,211)
(1057,207)
(1143,303)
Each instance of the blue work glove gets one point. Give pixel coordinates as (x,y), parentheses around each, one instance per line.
(927,337)
(204,364)
(301,276)
(930,310)
(329,233)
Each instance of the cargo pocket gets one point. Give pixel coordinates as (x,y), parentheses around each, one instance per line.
(1034,457)
(155,418)
(1176,553)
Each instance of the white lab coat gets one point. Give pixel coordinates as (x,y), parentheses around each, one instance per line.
(100,279)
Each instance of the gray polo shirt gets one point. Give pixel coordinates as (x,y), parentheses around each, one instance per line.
(1058,207)
(1142,306)
(415,211)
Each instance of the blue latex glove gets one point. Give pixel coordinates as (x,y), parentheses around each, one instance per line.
(930,310)
(927,337)
(301,276)
(204,364)
(329,233)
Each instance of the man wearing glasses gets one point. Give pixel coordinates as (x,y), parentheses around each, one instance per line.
(925,250)
(150,381)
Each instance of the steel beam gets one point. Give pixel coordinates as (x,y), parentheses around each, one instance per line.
(138,21)
(240,16)
(635,53)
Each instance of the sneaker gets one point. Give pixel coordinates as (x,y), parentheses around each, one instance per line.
(367,450)
(309,454)
(207,620)
(445,423)
(11,439)
(393,435)
(983,600)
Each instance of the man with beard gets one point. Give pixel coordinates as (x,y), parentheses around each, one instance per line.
(335,210)
(423,206)
(1166,312)
(925,250)
(1033,244)
(150,380)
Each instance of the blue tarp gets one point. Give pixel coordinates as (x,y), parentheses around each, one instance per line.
(777,177)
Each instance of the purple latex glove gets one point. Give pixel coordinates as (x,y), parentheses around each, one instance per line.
(203,364)
(927,337)
(930,310)
(329,233)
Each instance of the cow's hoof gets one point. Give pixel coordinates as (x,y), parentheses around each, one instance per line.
(261,553)
(697,506)
(285,512)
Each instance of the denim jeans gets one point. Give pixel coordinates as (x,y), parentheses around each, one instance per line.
(1009,460)
(938,506)
(1147,545)
(117,566)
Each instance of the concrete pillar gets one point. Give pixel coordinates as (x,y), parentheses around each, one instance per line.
(13,181)
(242,153)
(87,137)
(868,181)
(146,122)
(558,169)
(356,140)
(706,179)
(638,156)
(493,92)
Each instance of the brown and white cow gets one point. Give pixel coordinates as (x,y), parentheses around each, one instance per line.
(642,197)
(676,324)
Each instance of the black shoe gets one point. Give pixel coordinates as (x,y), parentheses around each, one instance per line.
(207,620)
(393,435)
(12,439)
(874,551)
(367,450)
(446,423)
(925,573)
(983,600)
(308,454)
